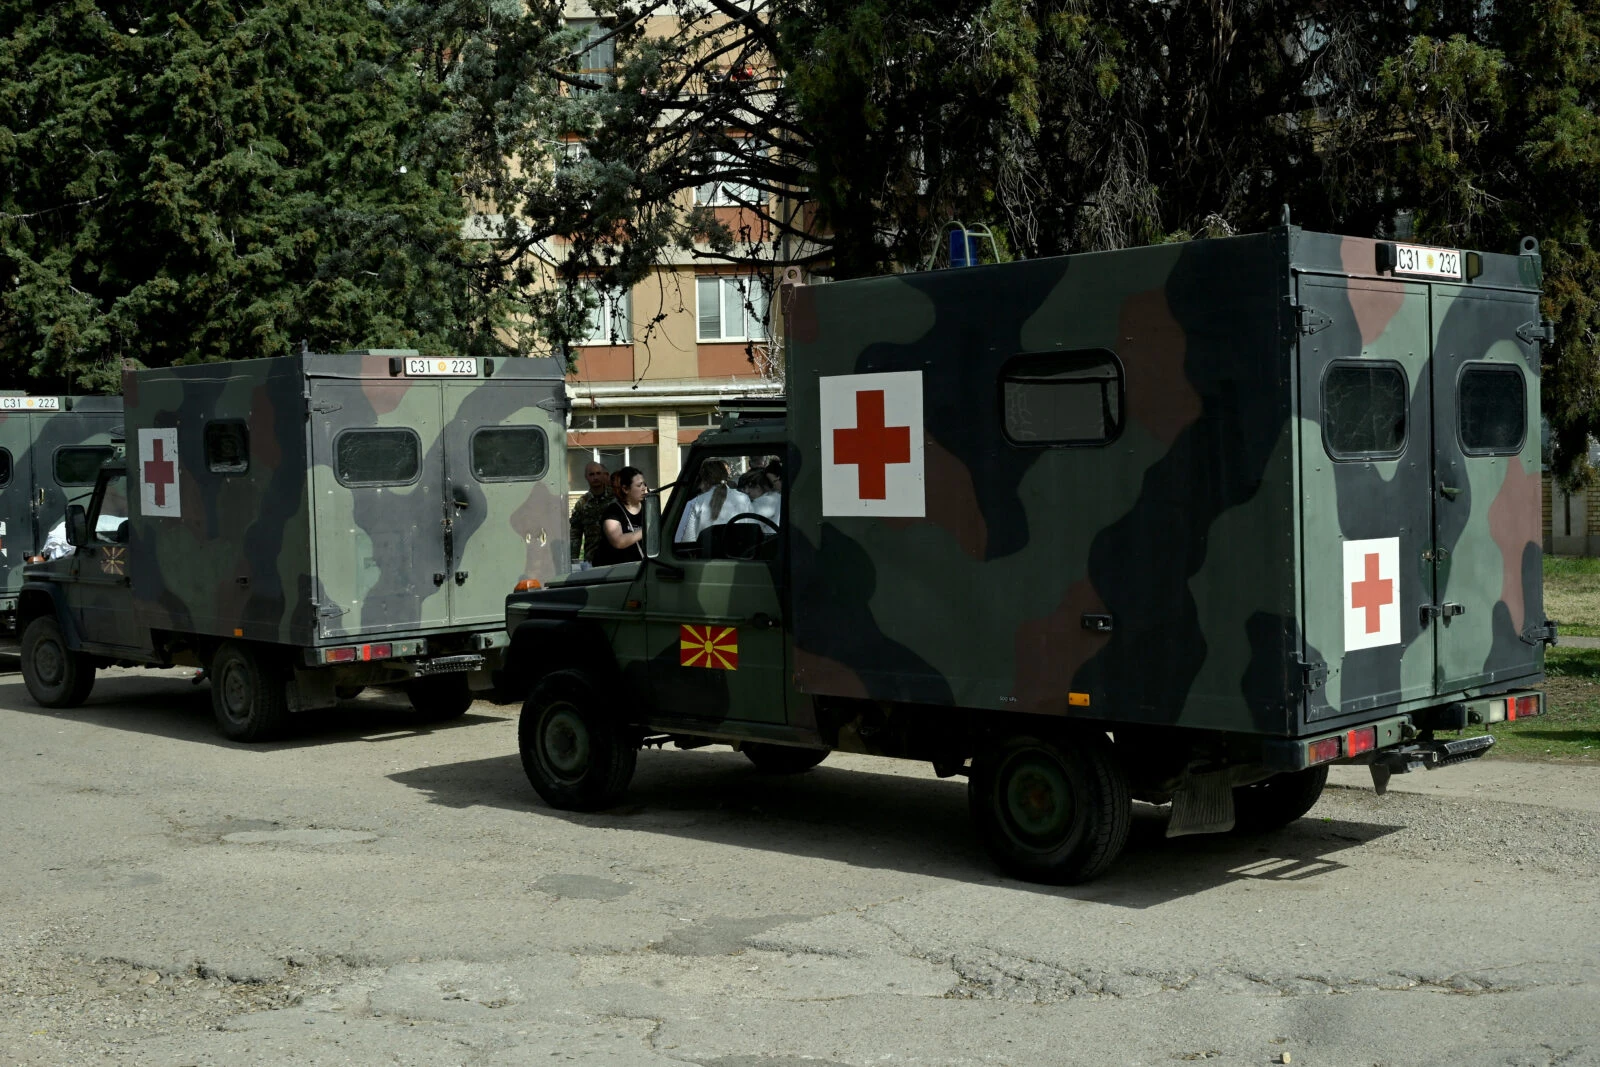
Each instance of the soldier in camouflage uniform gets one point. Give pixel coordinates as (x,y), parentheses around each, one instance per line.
(584,533)
(1181,524)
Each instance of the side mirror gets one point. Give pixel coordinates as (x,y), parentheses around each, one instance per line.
(652,526)
(77,525)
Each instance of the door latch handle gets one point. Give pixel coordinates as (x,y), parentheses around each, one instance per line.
(461,576)
(438,577)
(1427,612)
(1450,611)
(1449,491)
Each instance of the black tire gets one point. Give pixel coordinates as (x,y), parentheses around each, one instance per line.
(578,757)
(440,697)
(1277,801)
(782,759)
(56,676)
(248,694)
(1053,810)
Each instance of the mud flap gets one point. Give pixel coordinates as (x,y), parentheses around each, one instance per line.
(1202,805)
(311,690)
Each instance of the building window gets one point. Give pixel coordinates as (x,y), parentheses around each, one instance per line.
(595,58)
(227,447)
(1364,410)
(79,464)
(606,321)
(725,190)
(377,457)
(731,308)
(613,458)
(611,421)
(694,420)
(509,453)
(1492,409)
(1062,398)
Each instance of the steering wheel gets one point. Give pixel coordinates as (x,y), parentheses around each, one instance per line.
(752,515)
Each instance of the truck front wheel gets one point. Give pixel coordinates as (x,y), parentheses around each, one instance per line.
(56,676)
(248,694)
(1053,810)
(1278,801)
(578,757)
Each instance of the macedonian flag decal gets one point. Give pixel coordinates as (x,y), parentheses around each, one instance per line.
(713,647)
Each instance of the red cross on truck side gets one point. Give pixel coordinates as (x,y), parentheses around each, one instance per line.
(159,471)
(872,446)
(1372,592)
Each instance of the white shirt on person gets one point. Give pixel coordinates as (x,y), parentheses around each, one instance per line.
(699,514)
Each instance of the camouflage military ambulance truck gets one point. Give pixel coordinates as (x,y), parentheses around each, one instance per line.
(306,525)
(51,448)
(1182,524)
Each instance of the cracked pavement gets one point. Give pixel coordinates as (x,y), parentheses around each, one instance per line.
(375,891)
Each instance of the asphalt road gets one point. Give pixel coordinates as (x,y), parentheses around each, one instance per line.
(377,892)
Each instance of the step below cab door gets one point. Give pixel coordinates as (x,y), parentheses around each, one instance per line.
(1489,613)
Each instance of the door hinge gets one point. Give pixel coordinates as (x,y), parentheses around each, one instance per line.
(1541,635)
(329,611)
(325,407)
(1312,676)
(1542,332)
(1310,320)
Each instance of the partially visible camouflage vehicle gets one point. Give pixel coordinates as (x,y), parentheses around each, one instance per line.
(51,447)
(306,525)
(1183,524)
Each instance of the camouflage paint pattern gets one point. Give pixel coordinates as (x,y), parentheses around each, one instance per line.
(284,551)
(33,499)
(1209,530)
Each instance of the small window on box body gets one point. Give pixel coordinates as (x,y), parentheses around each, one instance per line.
(79,464)
(227,447)
(509,453)
(1062,398)
(377,457)
(1364,410)
(1492,409)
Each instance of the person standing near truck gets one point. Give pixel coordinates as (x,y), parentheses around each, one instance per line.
(622,523)
(585,526)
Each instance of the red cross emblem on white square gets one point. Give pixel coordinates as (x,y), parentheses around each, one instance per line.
(158,473)
(1371,593)
(872,454)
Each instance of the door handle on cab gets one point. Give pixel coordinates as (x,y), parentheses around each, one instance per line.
(1450,492)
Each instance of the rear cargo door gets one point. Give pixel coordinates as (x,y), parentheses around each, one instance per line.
(1366,472)
(379,508)
(505,480)
(16,512)
(1487,491)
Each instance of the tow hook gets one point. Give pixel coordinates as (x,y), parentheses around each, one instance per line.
(1425,756)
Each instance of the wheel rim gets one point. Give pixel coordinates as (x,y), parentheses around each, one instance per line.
(48,662)
(237,692)
(564,742)
(1037,801)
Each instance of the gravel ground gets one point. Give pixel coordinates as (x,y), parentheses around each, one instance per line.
(373,891)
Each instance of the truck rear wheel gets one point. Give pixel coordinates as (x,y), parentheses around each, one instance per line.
(1053,810)
(440,697)
(56,676)
(248,694)
(1278,801)
(578,757)
(782,759)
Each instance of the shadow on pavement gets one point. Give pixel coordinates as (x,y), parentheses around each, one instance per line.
(891,821)
(166,704)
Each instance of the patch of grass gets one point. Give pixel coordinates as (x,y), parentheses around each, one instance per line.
(1569,729)
(1572,593)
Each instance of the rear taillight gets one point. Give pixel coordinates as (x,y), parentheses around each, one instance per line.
(1322,751)
(1524,707)
(339,655)
(1362,740)
(527,585)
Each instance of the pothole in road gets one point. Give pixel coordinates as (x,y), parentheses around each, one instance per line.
(300,837)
